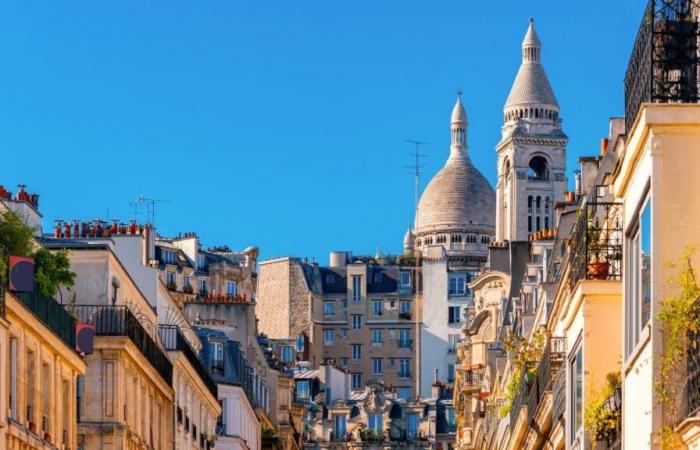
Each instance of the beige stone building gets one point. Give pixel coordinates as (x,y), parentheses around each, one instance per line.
(125,399)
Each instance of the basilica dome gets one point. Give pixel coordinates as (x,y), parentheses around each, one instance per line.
(458,198)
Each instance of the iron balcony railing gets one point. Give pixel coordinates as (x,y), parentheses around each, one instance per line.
(558,396)
(120,321)
(173,339)
(663,66)
(473,377)
(51,313)
(596,243)
(692,387)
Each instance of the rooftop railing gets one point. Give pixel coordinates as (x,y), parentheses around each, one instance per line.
(120,321)
(173,339)
(663,66)
(596,243)
(51,313)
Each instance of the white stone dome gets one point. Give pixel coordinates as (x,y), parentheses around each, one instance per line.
(458,197)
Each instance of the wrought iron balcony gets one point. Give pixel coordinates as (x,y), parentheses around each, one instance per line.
(51,313)
(173,339)
(120,321)
(596,243)
(558,396)
(692,387)
(373,436)
(663,66)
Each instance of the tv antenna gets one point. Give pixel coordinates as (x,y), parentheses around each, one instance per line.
(150,207)
(416,169)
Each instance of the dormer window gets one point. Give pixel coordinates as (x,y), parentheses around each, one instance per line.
(201,262)
(330,278)
(169,257)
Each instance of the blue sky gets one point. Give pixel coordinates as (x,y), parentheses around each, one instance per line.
(280,124)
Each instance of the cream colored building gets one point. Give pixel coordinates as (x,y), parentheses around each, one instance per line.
(126,396)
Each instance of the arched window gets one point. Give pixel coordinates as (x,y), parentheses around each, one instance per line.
(537,169)
(538,204)
(529,213)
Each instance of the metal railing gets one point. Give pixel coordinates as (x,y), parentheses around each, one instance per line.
(120,321)
(663,66)
(692,387)
(173,339)
(558,396)
(51,313)
(520,398)
(596,243)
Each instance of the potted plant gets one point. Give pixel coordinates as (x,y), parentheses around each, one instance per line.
(172,286)
(598,266)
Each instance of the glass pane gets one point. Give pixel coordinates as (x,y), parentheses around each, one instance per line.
(645,263)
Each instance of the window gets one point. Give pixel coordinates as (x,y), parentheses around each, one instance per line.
(169,257)
(451,419)
(404,368)
(170,277)
(412,424)
(404,393)
(328,308)
(231,288)
(328,337)
(356,288)
(287,355)
(638,277)
(344,333)
(201,262)
(405,278)
(339,426)
(356,381)
(471,238)
(392,363)
(186,281)
(457,284)
(376,366)
(576,409)
(344,362)
(13,378)
(330,278)
(441,239)
(203,286)
(378,307)
(356,321)
(537,169)
(453,339)
(375,423)
(303,390)
(485,239)
(456,238)
(453,316)
(217,357)
(450,373)
(405,308)
(404,338)
(357,352)
(376,337)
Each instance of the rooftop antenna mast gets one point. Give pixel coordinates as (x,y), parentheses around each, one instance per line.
(150,207)
(416,169)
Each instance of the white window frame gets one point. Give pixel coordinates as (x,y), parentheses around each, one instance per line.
(231,287)
(375,333)
(356,288)
(328,336)
(405,278)
(357,322)
(376,366)
(574,435)
(329,308)
(377,307)
(356,352)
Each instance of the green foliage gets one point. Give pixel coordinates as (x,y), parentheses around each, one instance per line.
(525,356)
(270,440)
(51,270)
(16,239)
(678,315)
(599,419)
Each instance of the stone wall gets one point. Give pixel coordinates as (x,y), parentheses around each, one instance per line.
(273,300)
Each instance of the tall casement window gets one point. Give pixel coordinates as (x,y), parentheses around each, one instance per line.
(529,213)
(576,394)
(378,307)
(328,308)
(453,315)
(412,425)
(13,378)
(376,366)
(328,336)
(356,381)
(357,352)
(405,278)
(375,423)
(339,422)
(637,276)
(356,321)
(376,337)
(356,288)
(231,288)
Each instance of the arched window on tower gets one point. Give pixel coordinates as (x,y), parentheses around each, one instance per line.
(537,169)
(546,213)
(529,213)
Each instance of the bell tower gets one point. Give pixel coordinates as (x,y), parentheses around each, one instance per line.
(532,151)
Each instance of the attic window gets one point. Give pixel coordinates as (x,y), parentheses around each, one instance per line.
(330,278)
